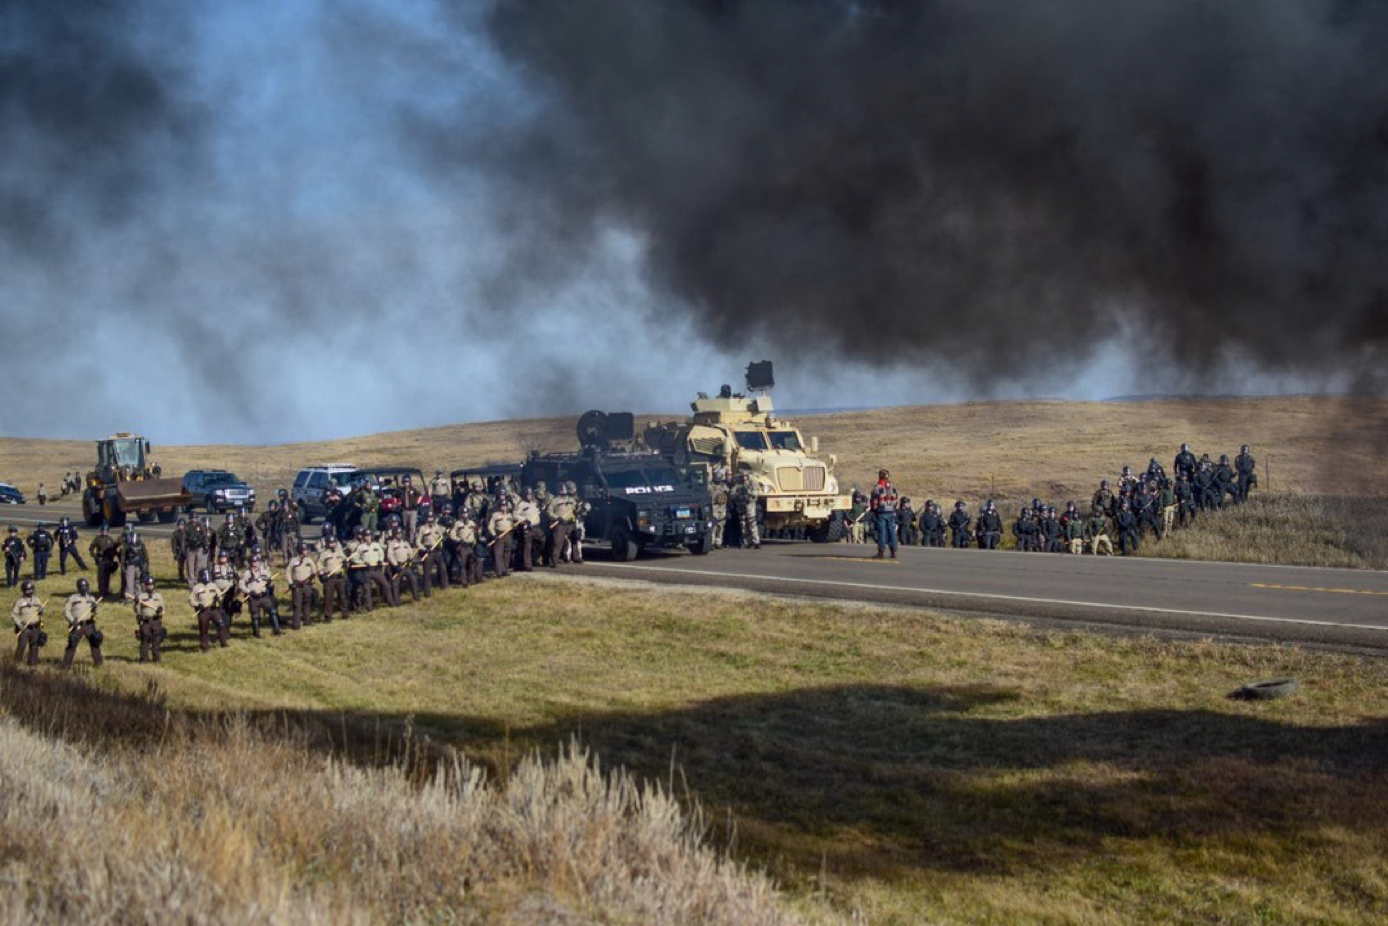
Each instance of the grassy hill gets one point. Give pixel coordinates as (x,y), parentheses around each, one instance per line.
(1056,449)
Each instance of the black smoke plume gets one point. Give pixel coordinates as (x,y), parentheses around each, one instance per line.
(89,116)
(977,185)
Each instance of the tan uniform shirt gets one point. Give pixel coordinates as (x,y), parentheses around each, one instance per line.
(529,512)
(441,486)
(149,605)
(429,537)
(499,523)
(301,569)
(399,553)
(368,554)
(79,609)
(332,562)
(204,595)
(561,509)
(255,582)
(464,532)
(224,577)
(26,611)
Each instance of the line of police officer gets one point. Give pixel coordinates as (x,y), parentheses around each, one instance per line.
(510,529)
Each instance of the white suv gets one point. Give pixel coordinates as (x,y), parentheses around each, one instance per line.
(312,485)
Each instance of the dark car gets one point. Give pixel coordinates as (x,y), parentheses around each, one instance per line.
(638,499)
(9,495)
(218,490)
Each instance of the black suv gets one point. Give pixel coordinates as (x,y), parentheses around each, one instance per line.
(638,499)
(218,490)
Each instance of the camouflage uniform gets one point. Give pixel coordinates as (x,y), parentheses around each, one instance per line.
(745,502)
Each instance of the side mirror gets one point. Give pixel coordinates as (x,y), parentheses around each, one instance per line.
(814,443)
(833,461)
(147,447)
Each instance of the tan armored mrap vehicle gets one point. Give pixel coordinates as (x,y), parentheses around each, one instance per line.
(124,484)
(737,433)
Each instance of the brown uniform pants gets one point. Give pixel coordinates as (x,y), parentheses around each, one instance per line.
(300,605)
(435,572)
(469,566)
(404,577)
(212,620)
(558,542)
(374,580)
(151,634)
(84,629)
(501,555)
(28,642)
(334,596)
(263,606)
(525,546)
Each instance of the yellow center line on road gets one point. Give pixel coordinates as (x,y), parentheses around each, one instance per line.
(858,559)
(1316,588)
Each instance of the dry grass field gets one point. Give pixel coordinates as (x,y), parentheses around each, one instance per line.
(827,762)
(886,764)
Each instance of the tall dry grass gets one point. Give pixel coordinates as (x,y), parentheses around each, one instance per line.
(185,821)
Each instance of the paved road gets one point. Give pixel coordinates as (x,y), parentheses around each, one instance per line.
(1345,607)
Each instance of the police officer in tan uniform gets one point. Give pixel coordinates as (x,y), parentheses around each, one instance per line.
(149,621)
(561,513)
(301,570)
(527,515)
(430,543)
(80,611)
(400,562)
(206,601)
(463,536)
(257,587)
(27,614)
(332,575)
(368,559)
(500,526)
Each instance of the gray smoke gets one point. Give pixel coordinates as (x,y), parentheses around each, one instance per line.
(270,221)
(977,186)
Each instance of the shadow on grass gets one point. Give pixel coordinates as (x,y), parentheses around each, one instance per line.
(868,779)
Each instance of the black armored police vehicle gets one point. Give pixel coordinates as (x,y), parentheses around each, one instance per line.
(637,498)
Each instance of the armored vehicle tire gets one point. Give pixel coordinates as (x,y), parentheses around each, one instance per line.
(830,532)
(167,515)
(703,545)
(115,514)
(304,516)
(91,511)
(624,548)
